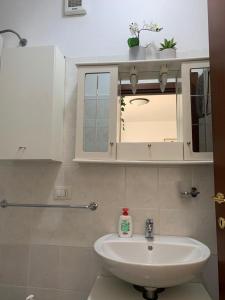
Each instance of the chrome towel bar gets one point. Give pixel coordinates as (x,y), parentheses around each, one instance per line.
(92,206)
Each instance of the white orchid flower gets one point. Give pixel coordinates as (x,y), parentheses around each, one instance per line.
(134,29)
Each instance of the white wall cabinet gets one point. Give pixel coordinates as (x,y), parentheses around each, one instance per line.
(198,144)
(96,129)
(32,103)
(100,118)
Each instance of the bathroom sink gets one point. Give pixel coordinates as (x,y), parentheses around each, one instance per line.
(164,262)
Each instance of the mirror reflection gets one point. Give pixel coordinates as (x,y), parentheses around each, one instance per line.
(201,110)
(149,118)
(149,108)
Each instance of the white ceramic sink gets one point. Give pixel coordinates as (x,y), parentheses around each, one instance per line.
(164,262)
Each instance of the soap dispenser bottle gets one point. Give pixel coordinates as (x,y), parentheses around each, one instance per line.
(125,224)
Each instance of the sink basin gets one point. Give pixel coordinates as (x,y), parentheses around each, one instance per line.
(164,262)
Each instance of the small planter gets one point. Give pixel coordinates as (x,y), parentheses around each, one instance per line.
(167,53)
(137,53)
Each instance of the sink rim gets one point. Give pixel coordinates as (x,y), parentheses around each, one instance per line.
(158,239)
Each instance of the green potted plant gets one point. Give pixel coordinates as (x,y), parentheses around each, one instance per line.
(136,50)
(168,48)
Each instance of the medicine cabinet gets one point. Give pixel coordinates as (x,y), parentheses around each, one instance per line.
(32,103)
(153,111)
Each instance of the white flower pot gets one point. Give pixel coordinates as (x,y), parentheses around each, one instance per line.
(137,53)
(167,53)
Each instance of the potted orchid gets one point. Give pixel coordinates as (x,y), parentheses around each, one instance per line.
(136,50)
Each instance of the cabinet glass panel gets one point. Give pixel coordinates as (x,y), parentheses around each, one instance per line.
(201,110)
(96,112)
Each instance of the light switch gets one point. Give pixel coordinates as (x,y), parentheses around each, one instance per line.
(62,193)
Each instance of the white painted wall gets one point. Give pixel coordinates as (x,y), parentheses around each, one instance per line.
(104,30)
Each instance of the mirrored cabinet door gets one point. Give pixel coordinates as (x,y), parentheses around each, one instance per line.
(198,144)
(150,128)
(96,113)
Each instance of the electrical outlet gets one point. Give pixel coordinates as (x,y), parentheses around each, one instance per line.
(62,193)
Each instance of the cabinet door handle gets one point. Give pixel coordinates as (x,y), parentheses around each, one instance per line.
(111,144)
(149,146)
(22,148)
(219,198)
(189,144)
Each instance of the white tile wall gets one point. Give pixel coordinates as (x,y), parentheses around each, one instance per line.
(48,252)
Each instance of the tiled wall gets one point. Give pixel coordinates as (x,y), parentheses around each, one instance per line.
(48,252)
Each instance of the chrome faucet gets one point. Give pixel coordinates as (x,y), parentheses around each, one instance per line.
(149,227)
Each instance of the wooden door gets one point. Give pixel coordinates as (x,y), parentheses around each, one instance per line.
(217,62)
